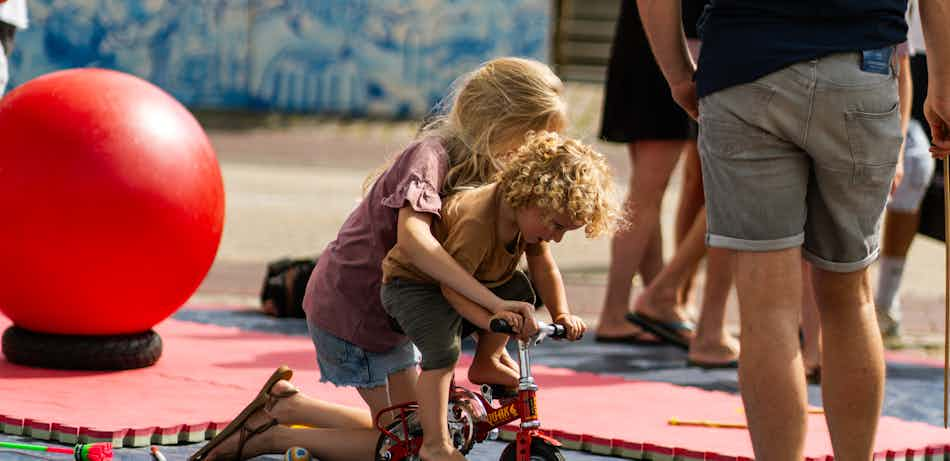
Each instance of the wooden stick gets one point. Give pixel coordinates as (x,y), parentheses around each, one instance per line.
(717,424)
(946,288)
(811,410)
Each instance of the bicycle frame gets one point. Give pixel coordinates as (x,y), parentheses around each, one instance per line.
(523,407)
(489,418)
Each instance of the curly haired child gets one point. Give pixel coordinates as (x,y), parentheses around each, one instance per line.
(550,186)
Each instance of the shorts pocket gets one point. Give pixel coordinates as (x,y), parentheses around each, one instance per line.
(731,121)
(738,106)
(874,140)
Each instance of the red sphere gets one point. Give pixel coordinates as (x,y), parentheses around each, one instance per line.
(112,204)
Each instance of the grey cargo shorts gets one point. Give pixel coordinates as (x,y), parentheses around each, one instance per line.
(802,157)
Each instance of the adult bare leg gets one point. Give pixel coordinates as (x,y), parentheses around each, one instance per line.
(658,299)
(811,327)
(770,364)
(653,161)
(652,262)
(691,204)
(853,362)
(899,231)
(713,343)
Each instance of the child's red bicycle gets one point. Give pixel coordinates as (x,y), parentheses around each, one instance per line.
(472,418)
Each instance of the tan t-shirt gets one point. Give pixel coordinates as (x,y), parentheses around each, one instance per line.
(468,231)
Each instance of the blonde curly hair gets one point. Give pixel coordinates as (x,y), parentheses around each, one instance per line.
(562,175)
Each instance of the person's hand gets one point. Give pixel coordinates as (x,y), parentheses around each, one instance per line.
(684,93)
(526,311)
(937,111)
(515,320)
(898,172)
(573,324)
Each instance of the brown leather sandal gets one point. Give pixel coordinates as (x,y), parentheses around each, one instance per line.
(265,400)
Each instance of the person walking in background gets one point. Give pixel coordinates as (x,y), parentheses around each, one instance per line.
(903,209)
(639,110)
(799,146)
(13,16)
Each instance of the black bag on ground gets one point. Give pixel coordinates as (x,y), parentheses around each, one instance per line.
(285,285)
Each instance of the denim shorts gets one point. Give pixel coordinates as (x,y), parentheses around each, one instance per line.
(346,364)
(802,157)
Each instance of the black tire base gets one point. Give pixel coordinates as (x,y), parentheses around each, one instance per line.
(81,352)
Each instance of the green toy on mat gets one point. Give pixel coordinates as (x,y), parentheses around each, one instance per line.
(82,452)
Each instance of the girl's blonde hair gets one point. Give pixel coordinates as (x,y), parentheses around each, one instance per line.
(487,111)
(562,175)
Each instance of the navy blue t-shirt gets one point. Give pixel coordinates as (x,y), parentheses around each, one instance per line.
(744,40)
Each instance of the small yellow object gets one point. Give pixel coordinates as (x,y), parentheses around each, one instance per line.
(716,424)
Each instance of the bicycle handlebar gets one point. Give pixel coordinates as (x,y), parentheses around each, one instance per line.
(551,330)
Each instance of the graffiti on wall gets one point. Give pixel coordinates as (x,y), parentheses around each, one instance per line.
(355,57)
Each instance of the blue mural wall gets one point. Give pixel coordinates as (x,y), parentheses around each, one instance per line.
(391,58)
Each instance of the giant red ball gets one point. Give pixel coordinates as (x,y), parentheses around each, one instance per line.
(111,200)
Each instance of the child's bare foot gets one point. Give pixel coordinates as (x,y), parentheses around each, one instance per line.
(439,452)
(494,369)
(509,362)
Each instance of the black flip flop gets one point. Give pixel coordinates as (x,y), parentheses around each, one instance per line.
(668,331)
(732,364)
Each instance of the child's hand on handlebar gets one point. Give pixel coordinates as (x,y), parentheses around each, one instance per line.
(574,325)
(514,320)
(526,313)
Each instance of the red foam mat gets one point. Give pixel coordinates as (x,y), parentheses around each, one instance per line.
(208,373)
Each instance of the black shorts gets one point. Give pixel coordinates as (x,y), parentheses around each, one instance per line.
(638,104)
